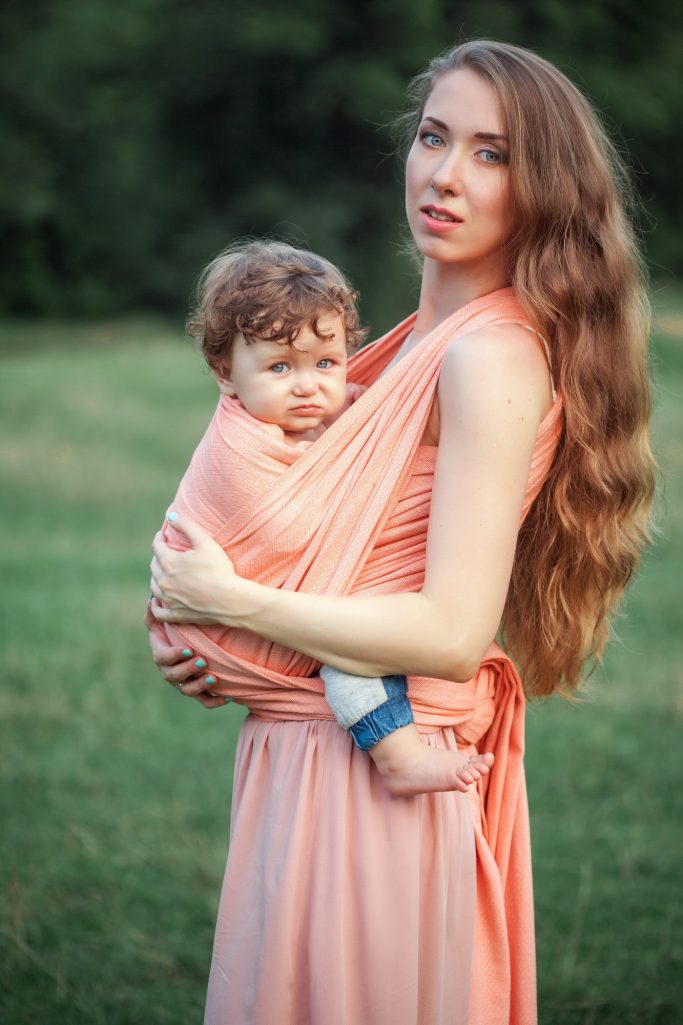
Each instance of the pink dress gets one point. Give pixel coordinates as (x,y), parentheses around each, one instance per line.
(344,906)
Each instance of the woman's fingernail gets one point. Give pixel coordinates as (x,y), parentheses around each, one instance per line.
(172,516)
(200,663)
(209,680)
(186,653)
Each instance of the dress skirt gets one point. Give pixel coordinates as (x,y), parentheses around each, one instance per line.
(341,905)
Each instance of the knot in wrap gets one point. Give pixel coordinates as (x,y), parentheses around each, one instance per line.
(471,707)
(483,709)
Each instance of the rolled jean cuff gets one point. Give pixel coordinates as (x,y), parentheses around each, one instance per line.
(394,713)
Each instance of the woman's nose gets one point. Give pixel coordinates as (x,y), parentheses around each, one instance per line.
(447,178)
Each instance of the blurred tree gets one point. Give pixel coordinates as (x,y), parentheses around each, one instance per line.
(140,138)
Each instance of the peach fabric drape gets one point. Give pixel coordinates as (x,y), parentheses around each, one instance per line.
(341,904)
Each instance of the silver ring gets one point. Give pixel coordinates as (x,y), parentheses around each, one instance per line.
(180,686)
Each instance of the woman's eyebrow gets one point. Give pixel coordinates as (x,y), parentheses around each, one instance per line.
(488,136)
(435,121)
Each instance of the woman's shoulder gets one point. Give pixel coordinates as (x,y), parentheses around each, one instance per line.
(505,363)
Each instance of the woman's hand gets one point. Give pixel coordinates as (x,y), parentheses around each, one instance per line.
(179,670)
(196,585)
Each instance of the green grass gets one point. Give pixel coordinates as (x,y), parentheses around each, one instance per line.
(115,790)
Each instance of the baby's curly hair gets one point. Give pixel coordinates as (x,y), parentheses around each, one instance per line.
(267,289)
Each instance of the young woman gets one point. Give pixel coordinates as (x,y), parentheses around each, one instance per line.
(523,509)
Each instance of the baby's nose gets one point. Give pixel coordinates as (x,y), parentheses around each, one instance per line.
(305,383)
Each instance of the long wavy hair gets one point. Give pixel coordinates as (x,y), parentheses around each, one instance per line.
(574,263)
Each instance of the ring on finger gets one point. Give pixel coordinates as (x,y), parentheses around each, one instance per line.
(180,686)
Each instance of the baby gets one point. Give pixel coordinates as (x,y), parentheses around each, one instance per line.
(276,325)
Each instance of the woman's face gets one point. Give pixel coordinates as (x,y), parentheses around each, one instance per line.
(457,174)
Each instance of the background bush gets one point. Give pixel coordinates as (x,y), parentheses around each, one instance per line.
(140,137)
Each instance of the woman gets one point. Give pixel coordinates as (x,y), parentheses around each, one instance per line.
(340,904)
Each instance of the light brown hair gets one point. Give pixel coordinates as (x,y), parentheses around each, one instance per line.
(574,263)
(268,289)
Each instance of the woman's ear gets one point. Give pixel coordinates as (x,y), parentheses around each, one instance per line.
(225,384)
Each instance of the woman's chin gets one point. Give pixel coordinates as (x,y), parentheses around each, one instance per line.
(435,247)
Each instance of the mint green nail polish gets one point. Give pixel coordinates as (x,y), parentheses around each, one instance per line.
(210,680)
(172,516)
(186,653)
(227,700)
(200,663)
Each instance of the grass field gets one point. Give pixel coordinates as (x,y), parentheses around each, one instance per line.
(115,790)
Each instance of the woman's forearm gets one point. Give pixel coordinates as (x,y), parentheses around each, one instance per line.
(491,406)
(366,635)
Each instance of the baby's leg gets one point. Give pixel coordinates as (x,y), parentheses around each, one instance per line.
(409,766)
(377,714)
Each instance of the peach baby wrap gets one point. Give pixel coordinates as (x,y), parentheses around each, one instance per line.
(306,933)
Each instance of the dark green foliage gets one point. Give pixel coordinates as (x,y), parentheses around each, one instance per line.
(140,137)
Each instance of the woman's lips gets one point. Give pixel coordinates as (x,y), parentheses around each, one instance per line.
(436,224)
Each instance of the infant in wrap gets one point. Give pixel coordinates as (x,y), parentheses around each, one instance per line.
(276,325)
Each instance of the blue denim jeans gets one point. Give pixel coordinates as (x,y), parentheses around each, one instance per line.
(370,709)
(383,720)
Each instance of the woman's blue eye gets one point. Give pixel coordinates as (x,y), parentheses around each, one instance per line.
(430,138)
(327,363)
(496,157)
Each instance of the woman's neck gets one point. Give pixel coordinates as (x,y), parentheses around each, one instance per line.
(446,288)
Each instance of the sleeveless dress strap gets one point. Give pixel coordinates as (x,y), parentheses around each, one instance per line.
(547,356)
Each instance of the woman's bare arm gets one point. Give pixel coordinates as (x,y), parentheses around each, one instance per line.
(493,392)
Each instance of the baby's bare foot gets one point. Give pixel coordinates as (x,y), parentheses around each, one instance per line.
(408,766)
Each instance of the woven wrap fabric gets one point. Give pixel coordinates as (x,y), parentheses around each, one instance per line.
(314,520)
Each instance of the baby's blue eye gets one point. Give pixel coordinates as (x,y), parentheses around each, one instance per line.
(324,363)
(278,368)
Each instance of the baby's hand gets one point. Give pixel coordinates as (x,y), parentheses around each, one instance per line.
(354,392)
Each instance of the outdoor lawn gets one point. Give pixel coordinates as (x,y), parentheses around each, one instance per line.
(115,790)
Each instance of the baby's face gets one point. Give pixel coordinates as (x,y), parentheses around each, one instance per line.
(294,386)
